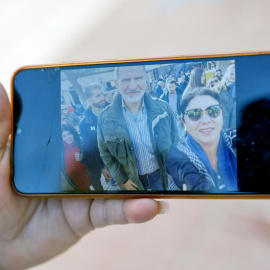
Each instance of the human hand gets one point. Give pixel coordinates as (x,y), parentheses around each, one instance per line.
(33,230)
(130,185)
(78,156)
(106,174)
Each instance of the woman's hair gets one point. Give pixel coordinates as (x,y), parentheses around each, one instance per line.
(195,78)
(195,92)
(225,79)
(72,130)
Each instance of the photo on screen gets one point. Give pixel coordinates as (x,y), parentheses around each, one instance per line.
(146,127)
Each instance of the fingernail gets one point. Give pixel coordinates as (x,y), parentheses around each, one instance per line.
(163,207)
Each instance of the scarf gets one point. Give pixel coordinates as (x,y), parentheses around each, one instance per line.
(226,161)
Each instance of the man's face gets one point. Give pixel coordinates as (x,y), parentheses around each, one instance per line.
(131,83)
(64,109)
(97,99)
(172,88)
(214,80)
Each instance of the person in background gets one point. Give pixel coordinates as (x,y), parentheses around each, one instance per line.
(197,79)
(172,97)
(70,117)
(219,73)
(159,88)
(104,85)
(183,84)
(88,131)
(74,171)
(227,93)
(214,81)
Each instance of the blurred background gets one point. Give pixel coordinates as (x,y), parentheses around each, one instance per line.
(196,234)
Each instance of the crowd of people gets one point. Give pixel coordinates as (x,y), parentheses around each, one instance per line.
(178,134)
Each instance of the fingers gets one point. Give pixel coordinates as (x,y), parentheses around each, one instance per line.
(108,176)
(107,212)
(5,118)
(130,185)
(78,156)
(133,184)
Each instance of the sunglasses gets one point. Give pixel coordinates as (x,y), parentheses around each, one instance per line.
(196,114)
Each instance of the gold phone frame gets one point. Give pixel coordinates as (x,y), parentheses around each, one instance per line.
(132,196)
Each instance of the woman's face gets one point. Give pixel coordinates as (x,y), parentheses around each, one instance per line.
(67,137)
(206,130)
(203,79)
(232,75)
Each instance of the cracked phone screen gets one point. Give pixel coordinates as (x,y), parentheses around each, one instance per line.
(76,130)
(37,164)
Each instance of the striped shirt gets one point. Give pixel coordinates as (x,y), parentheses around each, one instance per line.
(140,137)
(173,102)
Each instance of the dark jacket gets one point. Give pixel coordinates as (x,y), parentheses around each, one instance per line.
(159,90)
(228,101)
(182,87)
(165,97)
(183,171)
(186,167)
(115,145)
(91,156)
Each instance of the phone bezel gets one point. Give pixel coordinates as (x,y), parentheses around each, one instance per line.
(240,195)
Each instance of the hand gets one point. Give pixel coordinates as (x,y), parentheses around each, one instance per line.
(106,174)
(34,230)
(130,185)
(78,156)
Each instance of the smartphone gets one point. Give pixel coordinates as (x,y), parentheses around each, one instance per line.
(179,127)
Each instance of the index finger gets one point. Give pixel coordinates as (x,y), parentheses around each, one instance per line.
(133,184)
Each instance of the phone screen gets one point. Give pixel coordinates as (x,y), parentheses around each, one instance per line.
(187,126)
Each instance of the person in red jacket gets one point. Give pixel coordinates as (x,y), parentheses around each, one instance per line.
(76,172)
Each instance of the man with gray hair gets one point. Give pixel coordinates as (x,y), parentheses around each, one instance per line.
(136,133)
(88,131)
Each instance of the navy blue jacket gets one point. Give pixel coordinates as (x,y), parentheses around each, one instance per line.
(159,90)
(165,97)
(183,171)
(91,156)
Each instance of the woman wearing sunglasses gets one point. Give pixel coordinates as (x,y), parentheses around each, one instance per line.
(206,144)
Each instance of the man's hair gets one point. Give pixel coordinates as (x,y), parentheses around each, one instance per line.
(89,89)
(160,80)
(117,70)
(172,82)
